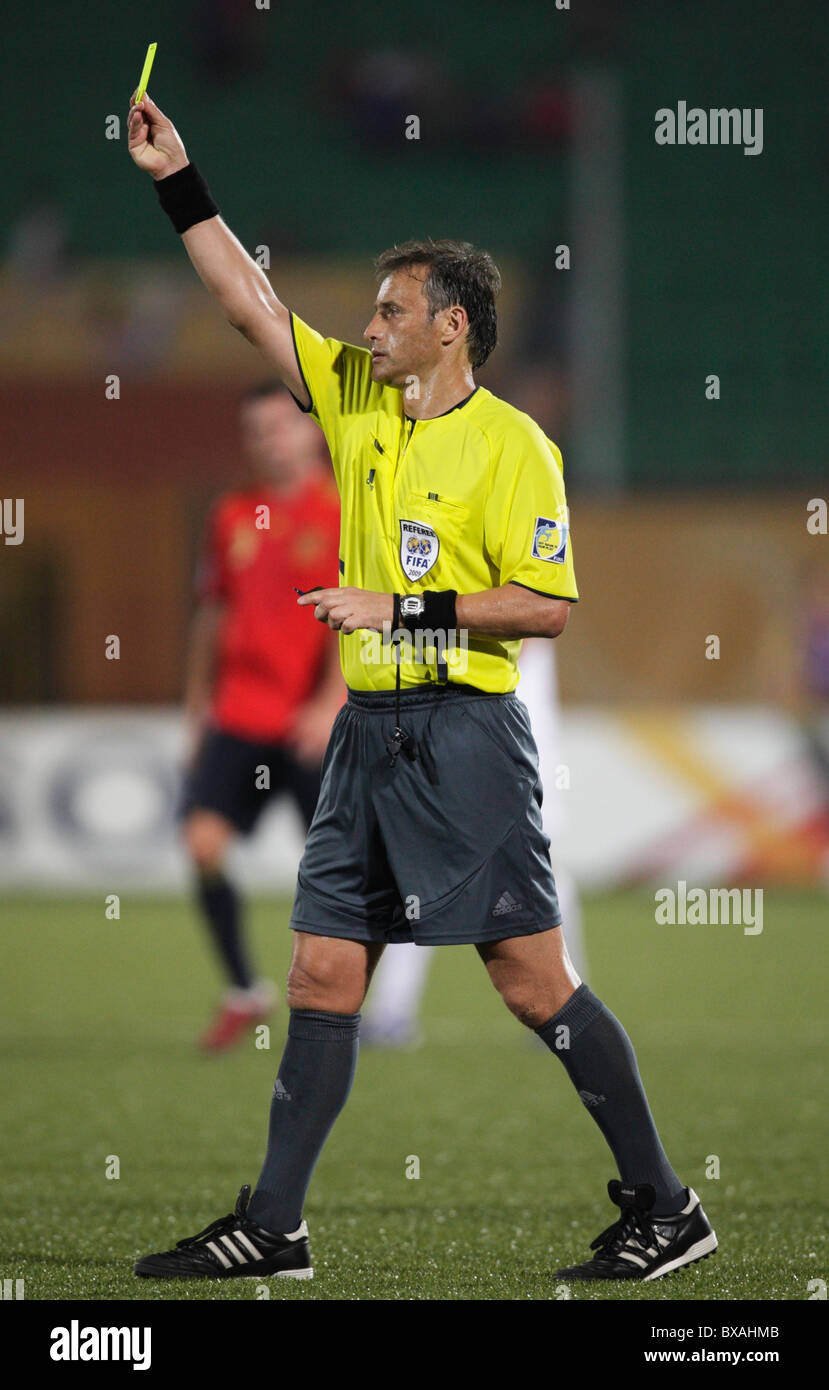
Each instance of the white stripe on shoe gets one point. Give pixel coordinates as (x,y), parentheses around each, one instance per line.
(706,1246)
(220,1254)
(248,1244)
(239,1256)
(634,1259)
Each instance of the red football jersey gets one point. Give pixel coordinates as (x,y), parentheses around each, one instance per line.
(270,650)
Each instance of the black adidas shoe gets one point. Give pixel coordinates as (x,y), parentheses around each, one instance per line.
(233,1247)
(641,1246)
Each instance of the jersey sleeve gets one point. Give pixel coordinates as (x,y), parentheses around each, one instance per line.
(526,522)
(337,377)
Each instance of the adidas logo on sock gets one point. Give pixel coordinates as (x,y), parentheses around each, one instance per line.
(506,903)
(590,1100)
(279,1091)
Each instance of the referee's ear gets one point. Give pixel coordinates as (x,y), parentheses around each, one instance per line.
(456,323)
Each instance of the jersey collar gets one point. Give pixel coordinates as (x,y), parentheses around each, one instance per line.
(460,405)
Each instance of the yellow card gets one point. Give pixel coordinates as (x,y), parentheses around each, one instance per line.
(145,74)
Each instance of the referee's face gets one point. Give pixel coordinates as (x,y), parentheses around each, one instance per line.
(405,340)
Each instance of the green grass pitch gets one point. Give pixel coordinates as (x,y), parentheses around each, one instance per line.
(97,1032)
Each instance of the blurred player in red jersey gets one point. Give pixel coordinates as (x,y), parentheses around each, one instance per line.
(263,685)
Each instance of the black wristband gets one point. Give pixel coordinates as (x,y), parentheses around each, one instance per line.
(185,198)
(439,613)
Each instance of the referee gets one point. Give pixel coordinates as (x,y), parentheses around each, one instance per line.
(454,547)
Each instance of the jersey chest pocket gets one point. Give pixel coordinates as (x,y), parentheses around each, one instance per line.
(431,527)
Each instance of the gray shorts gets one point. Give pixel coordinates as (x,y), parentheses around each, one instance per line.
(445,849)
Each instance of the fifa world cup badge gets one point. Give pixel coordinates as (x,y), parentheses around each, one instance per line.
(550,540)
(419,548)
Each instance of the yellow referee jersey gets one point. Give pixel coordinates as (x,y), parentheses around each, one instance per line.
(469,500)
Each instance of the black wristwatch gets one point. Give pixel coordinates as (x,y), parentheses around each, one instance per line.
(412,608)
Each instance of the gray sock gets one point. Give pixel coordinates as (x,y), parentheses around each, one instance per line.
(314,1080)
(601,1064)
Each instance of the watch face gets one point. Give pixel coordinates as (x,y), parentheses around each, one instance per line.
(411,606)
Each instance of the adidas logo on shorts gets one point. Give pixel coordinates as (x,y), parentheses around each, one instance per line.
(591,1100)
(506,903)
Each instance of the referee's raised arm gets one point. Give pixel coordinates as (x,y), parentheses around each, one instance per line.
(240,286)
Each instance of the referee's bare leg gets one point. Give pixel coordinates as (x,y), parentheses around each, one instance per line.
(533,974)
(536,980)
(330,973)
(327,982)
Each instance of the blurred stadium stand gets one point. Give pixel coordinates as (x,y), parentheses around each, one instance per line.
(724,267)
